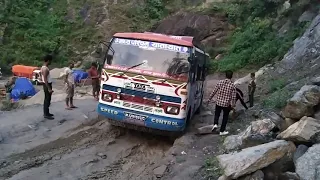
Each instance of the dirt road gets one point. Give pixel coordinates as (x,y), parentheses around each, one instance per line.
(78,145)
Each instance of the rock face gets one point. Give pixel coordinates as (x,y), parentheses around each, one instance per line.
(303,102)
(209,30)
(316,81)
(252,159)
(257,133)
(304,130)
(308,165)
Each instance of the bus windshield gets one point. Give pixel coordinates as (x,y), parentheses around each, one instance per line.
(150,56)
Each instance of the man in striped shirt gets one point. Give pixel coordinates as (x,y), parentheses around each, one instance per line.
(225,101)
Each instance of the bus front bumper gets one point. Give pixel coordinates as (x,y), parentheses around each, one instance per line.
(141,119)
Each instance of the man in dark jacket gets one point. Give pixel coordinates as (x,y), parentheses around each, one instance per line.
(240,97)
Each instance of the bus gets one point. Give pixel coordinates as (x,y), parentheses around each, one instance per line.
(152,82)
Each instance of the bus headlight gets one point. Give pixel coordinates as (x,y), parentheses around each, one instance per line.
(107,97)
(172,110)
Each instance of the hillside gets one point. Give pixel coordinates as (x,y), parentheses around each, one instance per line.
(244,32)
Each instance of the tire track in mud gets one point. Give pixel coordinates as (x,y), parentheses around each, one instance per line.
(143,149)
(37,156)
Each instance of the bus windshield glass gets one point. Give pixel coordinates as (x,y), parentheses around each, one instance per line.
(149,56)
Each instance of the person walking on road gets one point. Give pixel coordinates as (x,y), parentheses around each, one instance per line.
(47,87)
(225,101)
(94,75)
(70,85)
(240,97)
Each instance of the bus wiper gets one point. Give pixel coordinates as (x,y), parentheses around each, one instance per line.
(134,66)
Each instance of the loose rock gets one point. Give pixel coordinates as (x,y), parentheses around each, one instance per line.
(159,171)
(101,155)
(307,166)
(205,129)
(302,131)
(303,102)
(257,133)
(233,142)
(252,159)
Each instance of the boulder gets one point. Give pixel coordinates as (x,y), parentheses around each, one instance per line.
(159,171)
(233,142)
(257,133)
(252,159)
(304,130)
(301,149)
(307,166)
(303,102)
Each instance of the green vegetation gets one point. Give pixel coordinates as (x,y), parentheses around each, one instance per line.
(278,99)
(212,168)
(277,84)
(255,41)
(34,28)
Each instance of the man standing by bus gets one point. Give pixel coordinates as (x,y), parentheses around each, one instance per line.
(47,86)
(225,101)
(94,75)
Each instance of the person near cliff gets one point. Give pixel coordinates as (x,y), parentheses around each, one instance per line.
(251,89)
(70,85)
(225,101)
(94,75)
(47,87)
(240,97)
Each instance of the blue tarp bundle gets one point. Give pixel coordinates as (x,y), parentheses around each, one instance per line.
(22,86)
(79,75)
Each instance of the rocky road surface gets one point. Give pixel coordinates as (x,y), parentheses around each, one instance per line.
(79,145)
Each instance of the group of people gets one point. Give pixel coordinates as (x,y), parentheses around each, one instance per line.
(69,83)
(227,96)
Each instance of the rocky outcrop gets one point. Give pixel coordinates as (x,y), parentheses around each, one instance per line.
(308,165)
(206,29)
(252,159)
(257,133)
(302,131)
(303,102)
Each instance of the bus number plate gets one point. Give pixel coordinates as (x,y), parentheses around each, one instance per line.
(141,87)
(134,118)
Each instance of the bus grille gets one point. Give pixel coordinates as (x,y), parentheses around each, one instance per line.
(137,106)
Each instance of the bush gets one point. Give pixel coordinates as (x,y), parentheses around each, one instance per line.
(278,99)
(277,84)
(255,41)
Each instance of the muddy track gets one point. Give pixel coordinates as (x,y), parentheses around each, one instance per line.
(100,136)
